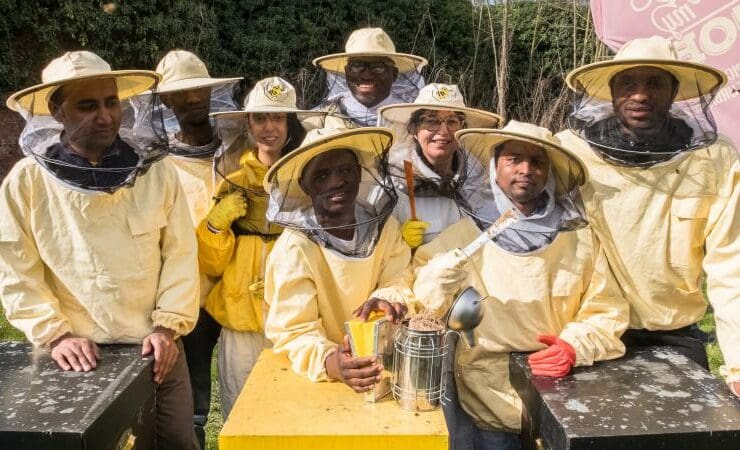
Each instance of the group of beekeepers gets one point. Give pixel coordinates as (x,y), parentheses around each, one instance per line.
(152,208)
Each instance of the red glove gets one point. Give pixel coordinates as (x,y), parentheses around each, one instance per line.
(554,361)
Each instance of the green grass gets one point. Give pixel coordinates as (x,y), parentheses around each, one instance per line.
(715,356)
(7,332)
(215,422)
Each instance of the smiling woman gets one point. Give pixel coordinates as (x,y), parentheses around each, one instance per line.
(446,181)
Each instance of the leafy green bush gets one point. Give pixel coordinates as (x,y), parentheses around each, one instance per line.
(255,39)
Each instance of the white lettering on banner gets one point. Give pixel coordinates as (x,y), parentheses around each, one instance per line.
(643,5)
(717,36)
(675,19)
(733,71)
(728,30)
(723,95)
(688,48)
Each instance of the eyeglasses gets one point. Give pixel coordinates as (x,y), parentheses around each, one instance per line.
(377,68)
(453,122)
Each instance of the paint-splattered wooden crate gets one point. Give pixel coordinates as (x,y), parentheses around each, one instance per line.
(653,398)
(43,407)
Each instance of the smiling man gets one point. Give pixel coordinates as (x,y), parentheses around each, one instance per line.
(96,243)
(663,194)
(340,255)
(369,74)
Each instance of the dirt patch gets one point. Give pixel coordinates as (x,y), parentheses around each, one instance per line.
(11,125)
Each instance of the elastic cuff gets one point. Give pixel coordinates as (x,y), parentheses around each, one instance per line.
(213,229)
(732,375)
(46,343)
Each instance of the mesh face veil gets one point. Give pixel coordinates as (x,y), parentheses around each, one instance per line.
(189,108)
(645,106)
(643,121)
(92,141)
(340,100)
(426,129)
(335,189)
(278,127)
(560,207)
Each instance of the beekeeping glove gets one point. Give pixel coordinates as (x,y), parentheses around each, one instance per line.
(554,361)
(438,281)
(413,232)
(227,210)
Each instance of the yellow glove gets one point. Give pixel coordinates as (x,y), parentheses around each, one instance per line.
(227,210)
(413,232)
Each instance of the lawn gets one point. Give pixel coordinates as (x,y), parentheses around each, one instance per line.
(215,422)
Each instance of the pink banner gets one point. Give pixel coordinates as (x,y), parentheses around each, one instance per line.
(704,31)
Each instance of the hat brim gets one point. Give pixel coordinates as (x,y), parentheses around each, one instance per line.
(474,118)
(480,142)
(193,83)
(35,99)
(404,62)
(694,79)
(363,141)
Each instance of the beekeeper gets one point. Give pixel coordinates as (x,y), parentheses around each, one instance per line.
(235,237)
(548,284)
(664,194)
(448,182)
(189,94)
(96,243)
(369,74)
(341,250)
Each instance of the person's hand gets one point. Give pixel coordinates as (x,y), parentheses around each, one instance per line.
(358,373)
(75,353)
(162,344)
(395,312)
(554,361)
(734,387)
(412,232)
(445,271)
(227,210)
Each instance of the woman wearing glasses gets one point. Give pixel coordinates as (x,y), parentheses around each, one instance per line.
(447,182)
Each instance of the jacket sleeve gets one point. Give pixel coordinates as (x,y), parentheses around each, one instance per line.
(214,249)
(427,292)
(179,284)
(29,303)
(602,317)
(722,268)
(394,283)
(293,323)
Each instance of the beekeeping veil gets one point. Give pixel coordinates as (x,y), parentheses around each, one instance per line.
(468,186)
(268,96)
(188,91)
(129,150)
(561,208)
(368,42)
(688,126)
(345,169)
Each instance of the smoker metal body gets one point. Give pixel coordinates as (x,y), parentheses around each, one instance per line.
(418,368)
